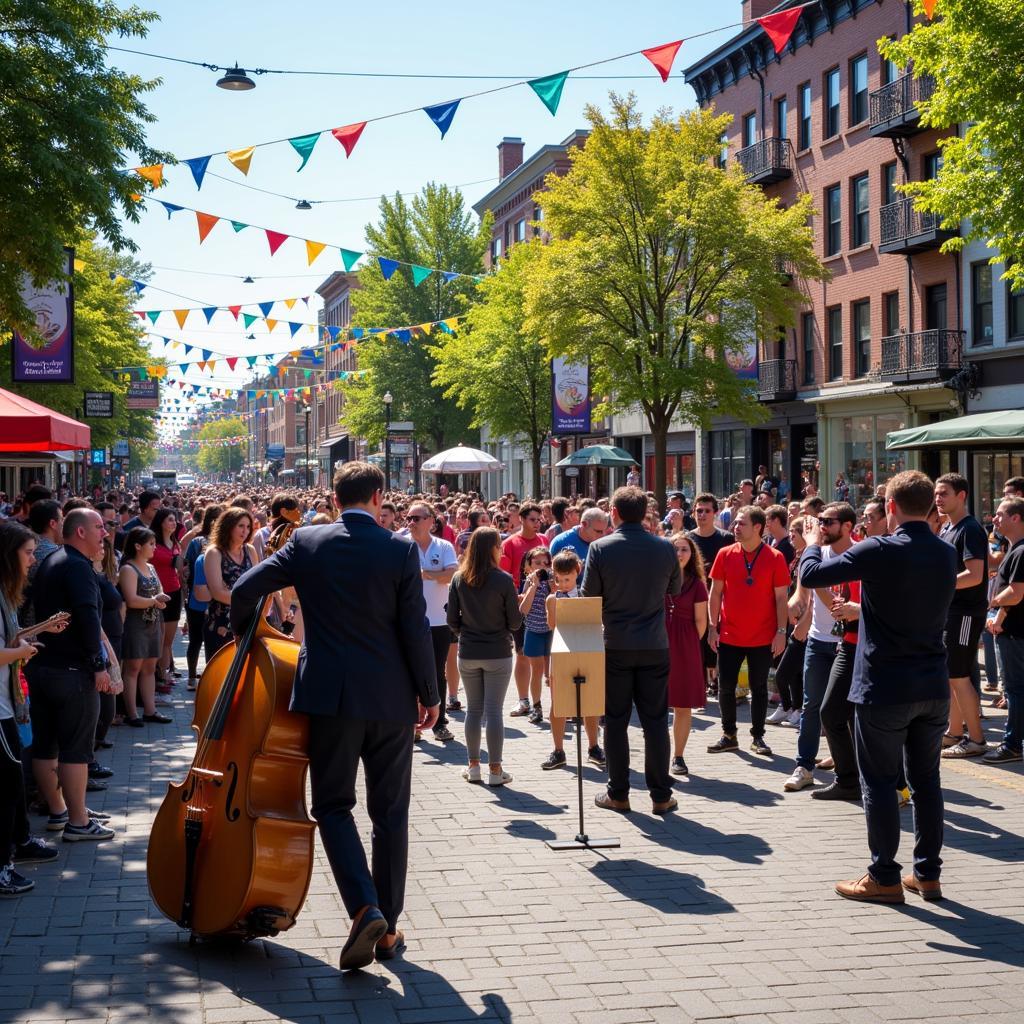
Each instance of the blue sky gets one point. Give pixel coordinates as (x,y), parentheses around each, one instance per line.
(403,153)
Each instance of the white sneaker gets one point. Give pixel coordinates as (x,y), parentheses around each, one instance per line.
(778,716)
(800,779)
(966,748)
(471,773)
(498,778)
(793,719)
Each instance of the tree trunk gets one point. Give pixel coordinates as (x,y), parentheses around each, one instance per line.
(660,434)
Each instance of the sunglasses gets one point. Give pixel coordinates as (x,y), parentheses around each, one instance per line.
(417,519)
(827,521)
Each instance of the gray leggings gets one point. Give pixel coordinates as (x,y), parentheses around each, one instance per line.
(486,683)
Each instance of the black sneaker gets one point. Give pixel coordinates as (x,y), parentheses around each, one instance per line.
(443,735)
(35,850)
(725,743)
(95,786)
(595,755)
(679,767)
(556,759)
(1002,755)
(454,704)
(758,746)
(13,883)
(99,771)
(93,832)
(536,715)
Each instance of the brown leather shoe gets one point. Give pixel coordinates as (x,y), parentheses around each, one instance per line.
(665,806)
(867,890)
(926,890)
(605,801)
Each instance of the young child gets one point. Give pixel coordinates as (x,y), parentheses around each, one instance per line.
(537,639)
(566,570)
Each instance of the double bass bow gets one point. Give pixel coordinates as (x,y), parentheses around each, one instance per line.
(231,848)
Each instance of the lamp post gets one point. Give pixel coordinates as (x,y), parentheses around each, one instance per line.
(388,399)
(307,411)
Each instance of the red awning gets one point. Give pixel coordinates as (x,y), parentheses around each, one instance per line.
(29,427)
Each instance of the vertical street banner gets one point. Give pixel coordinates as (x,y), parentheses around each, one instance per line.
(744,360)
(48,357)
(570,397)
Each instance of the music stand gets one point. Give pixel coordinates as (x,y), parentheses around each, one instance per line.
(577,690)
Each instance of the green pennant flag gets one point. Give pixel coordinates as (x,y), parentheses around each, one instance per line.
(154,315)
(303,145)
(249,319)
(549,89)
(420,274)
(349,258)
(251,360)
(238,225)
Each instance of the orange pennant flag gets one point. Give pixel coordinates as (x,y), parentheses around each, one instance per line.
(181,315)
(205,222)
(271,324)
(313,249)
(241,158)
(929,7)
(154,174)
(211,364)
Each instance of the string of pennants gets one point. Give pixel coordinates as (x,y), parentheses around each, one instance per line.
(779,28)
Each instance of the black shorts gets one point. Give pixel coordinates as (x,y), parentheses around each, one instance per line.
(519,637)
(64,709)
(710,657)
(961,638)
(172,610)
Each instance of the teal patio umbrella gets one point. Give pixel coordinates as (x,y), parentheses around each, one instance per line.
(605,455)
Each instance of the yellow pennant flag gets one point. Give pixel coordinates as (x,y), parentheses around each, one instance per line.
(291,302)
(79,266)
(241,158)
(181,315)
(211,364)
(452,323)
(426,328)
(154,174)
(313,249)
(296,353)
(271,324)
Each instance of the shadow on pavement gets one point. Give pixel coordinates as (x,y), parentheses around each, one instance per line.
(686,835)
(665,890)
(985,936)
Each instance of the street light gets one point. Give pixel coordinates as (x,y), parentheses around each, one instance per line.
(307,411)
(388,399)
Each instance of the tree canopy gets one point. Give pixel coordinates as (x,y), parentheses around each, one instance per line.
(222,458)
(663,265)
(973,53)
(435,230)
(68,123)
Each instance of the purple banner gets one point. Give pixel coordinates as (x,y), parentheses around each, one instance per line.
(50,357)
(570,397)
(744,362)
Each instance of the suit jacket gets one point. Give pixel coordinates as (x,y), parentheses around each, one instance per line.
(367,651)
(632,571)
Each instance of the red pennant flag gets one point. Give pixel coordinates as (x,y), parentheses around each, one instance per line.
(779,27)
(662,57)
(232,361)
(141,314)
(275,238)
(205,222)
(929,7)
(349,136)
(235,310)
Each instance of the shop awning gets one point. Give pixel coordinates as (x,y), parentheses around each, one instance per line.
(28,427)
(983,429)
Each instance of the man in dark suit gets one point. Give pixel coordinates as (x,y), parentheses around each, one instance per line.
(631,571)
(366,679)
(900,683)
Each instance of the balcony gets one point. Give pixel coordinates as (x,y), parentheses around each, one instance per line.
(767,161)
(893,108)
(906,230)
(776,380)
(922,356)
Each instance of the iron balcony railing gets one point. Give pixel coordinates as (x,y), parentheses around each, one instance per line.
(923,353)
(776,378)
(900,221)
(766,161)
(897,101)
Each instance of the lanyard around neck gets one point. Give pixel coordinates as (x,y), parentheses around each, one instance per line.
(750,565)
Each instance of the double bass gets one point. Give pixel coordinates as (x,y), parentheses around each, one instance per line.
(231,848)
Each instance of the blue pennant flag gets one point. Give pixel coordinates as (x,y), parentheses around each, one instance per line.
(188,348)
(197,165)
(208,312)
(138,286)
(183,367)
(293,327)
(170,208)
(357,333)
(265,308)
(449,275)
(442,115)
(333,332)
(387,267)
(404,336)
(206,354)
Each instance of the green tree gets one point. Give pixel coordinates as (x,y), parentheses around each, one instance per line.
(662,266)
(107,337)
(222,458)
(973,55)
(435,230)
(67,121)
(498,367)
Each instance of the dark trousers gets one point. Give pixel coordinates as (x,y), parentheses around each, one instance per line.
(637,679)
(789,676)
(13,814)
(196,624)
(336,746)
(884,732)
(441,638)
(837,716)
(759,663)
(108,705)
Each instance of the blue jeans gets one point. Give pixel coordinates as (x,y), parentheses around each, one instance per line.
(817,665)
(1011,652)
(885,733)
(992,670)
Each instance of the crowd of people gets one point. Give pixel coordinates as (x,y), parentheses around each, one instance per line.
(740,599)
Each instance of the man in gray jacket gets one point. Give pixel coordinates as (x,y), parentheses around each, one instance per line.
(631,571)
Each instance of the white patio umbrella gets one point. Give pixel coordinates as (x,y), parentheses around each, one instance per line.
(461,459)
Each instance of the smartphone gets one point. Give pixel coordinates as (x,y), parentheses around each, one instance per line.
(542,575)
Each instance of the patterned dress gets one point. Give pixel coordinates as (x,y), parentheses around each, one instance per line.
(217,627)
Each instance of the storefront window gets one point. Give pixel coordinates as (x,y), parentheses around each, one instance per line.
(860,461)
(991,471)
(728,460)
(888,464)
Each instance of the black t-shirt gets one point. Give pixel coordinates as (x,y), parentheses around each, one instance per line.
(710,546)
(784,546)
(1011,570)
(971,541)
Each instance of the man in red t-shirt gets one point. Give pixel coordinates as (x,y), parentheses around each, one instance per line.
(514,550)
(747,616)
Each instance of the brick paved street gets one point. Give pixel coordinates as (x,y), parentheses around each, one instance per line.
(724,911)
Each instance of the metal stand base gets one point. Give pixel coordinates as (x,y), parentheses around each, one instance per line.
(582,840)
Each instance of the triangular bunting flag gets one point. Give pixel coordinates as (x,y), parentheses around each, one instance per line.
(333,332)
(303,145)
(929,8)
(188,349)
(449,276)
(420,274)
(442,115)
(241,158)
(451,323)
(154,315)
(265,307)
(197,165)
(662,57)
(271,324)
(387,267)
(208,312)
(170,208)
(181,315)
(349,136)
(251,360)
(231,362)
(779,27)
(154,174)
(205,223)
(211,364)
(138,286)
(349,258)
(313,249)
(235,310)
(249,319)
(275,239)
(238,226)
(549,89)
(184,369)
(294,328)
(207,353)
(425,328)
(289,303)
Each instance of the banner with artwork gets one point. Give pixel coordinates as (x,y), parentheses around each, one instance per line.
(143,394)
(570,397)
(743,360)
(49,356)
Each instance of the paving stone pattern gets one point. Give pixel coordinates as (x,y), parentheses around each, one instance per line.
(721,912)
